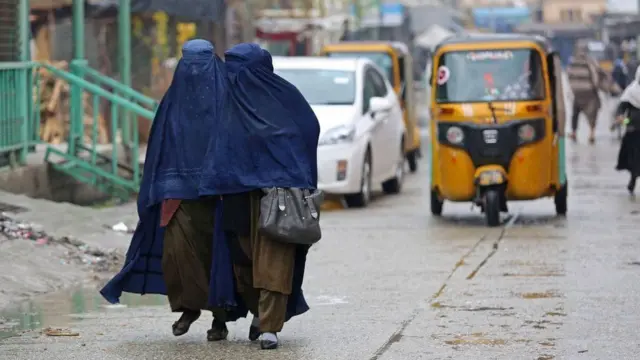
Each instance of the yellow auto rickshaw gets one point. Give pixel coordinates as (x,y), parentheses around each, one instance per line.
(498,120)
(396,62)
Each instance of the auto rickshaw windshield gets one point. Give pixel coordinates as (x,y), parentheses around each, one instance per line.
(382,59)
(489,75)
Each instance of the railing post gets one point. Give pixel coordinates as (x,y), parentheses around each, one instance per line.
(124,65)
(77,108)
(24,88)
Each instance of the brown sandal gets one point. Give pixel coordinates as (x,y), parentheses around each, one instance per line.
(183,324)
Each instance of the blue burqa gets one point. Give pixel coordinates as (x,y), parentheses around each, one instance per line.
(180,135)
(267,137)
(268,133)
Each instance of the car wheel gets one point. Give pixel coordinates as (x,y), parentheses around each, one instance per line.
(362,198)
(394,185)
(412,158)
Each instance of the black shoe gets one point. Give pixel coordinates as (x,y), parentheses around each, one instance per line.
(183,324)
(632,185)
(254,333)
(218,331)
(269,344)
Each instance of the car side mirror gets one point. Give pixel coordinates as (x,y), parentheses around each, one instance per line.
(379,104)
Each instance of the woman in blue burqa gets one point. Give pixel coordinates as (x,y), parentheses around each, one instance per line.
(176,249)
(267,137)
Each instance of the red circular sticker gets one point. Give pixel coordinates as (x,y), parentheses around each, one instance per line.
(443,75)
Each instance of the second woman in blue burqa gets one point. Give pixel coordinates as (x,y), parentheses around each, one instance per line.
(267,137)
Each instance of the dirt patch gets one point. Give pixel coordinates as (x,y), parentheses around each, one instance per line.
(554,313)
(33,262)
(540,295)
(542,274)
(475,339)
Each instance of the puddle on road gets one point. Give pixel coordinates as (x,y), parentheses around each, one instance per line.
(59,309)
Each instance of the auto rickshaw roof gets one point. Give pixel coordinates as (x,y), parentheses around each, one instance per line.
(495,38)
(398,46)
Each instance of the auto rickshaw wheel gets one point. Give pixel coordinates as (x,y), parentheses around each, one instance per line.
(412,159)
(492,207)
(436,203)
(560,199)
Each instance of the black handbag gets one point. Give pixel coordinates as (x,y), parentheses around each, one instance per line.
(291,215)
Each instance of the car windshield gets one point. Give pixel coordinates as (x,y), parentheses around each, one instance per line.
(489,75)
(382,59)
(323,87)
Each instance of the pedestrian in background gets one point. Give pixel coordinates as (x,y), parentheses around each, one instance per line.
(628,112)
(585,81)
(620,73)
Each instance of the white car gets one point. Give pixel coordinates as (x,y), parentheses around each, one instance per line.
(361,128)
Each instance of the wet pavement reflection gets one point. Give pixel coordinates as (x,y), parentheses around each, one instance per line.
(62,308)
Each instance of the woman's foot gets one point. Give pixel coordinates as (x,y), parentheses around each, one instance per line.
(632,185)
(183,324)
(254,329)
(218,331)
(572,136)
(269,341)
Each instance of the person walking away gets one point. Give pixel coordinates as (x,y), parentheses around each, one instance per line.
(620,73)
(620,77)
(174,250)
(584,80)
(268,138)
(629,112)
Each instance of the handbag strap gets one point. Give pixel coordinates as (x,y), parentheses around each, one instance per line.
(310,203)
(281,199)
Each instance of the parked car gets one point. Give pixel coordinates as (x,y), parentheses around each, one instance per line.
(362,134)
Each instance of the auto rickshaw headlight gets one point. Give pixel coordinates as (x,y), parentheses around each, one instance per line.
(526,133)
(455,135)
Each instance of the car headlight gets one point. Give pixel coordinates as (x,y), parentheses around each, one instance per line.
(455,135)
(339,134)
(526,133)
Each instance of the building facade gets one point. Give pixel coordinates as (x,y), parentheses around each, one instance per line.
(572,11)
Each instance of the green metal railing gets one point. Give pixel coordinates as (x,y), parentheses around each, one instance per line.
(15,120)
(118,88)
(118,172)
(113,167)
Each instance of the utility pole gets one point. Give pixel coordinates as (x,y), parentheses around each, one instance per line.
(378,4)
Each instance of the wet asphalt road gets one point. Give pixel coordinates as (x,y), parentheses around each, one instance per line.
(390,282)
